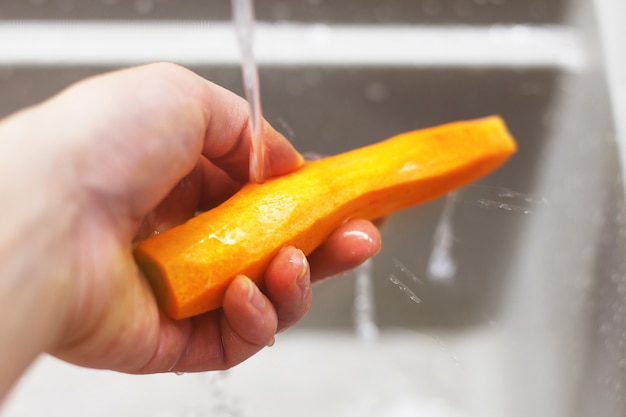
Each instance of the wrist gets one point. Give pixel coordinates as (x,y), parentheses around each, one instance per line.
(31,299)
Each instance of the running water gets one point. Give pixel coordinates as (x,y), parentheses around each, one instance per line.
(364,305)
(401,285)
(441,264)
(243,17)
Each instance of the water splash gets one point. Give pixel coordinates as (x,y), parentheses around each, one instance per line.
(407,272)
(243,17)
(487,203)
(401,285)
(364,303)
(503,198)
(444,346)
(441,263)
(224,403)
(405,289)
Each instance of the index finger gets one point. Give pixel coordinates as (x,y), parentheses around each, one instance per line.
(227,143)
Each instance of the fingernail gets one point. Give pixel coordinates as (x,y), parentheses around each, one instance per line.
(254,295)
(302,279)
(359,235)
(364,237)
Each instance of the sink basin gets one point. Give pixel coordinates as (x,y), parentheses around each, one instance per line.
(533,321)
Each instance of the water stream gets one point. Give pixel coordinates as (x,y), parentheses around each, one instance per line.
(364,303)
(243,18)
(441,264)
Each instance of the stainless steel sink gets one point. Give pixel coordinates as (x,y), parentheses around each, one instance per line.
(372,11)
(533,322)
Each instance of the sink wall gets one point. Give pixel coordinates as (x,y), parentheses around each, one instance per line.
(372,11)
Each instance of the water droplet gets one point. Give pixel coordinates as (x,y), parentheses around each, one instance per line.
(447,350)
(486,203)
(179,373)
(312,156)
(407,272)
(406,290)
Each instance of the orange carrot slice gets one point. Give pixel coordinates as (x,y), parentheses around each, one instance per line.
(190,266)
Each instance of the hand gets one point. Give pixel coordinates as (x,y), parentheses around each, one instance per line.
(115,158)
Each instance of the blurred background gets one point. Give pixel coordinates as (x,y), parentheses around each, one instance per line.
(504,298)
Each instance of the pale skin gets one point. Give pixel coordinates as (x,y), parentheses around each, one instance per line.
(111,160)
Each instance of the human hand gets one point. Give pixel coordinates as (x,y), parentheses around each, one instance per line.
(119,157)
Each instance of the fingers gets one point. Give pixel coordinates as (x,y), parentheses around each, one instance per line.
(288,285)
(249,317)
(217,185)
(232,153)
(205,187)
(347,247)
(247,322)
(219,339)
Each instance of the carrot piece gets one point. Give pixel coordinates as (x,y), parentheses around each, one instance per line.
(190,266)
